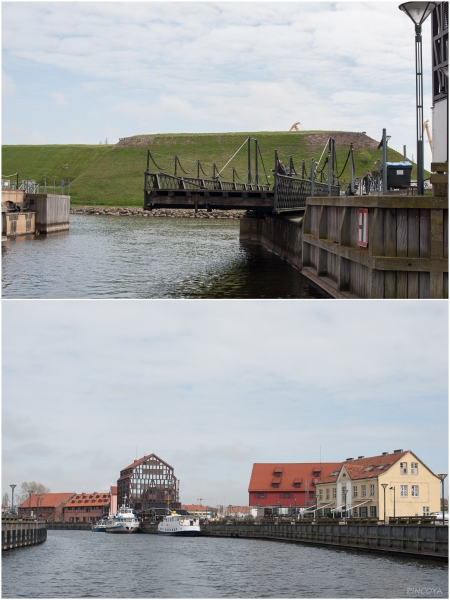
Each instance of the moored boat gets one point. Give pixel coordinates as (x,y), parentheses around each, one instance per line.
(100,525)
(124,521)
(183,525)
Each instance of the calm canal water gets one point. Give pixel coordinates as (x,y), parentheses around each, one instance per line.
(136,257)
(81,564)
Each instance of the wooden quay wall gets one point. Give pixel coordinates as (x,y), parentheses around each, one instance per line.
(18,533)
(407,247)
(425,541)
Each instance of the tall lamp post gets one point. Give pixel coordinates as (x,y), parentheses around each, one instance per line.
(418,12)
(12,486)
(29,502)
(393,488)
(384,486)
(442,476)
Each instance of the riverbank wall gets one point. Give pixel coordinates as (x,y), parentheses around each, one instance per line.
(363,246)
(18,533)
(24,213)
(425,541)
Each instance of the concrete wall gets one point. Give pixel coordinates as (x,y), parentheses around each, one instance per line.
(18,533)
(52,212)
(280,233)
(427,541)
(18,223)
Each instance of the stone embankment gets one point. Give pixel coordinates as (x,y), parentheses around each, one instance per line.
(158,212)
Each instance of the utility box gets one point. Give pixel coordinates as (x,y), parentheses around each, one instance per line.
(398,175)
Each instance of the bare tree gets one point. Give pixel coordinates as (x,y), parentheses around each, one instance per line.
(27,486)
(5,500)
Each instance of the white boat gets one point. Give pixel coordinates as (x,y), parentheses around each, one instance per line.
(175,524)
(100,525)
(124,521)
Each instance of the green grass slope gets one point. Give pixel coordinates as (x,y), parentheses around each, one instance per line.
(113,175)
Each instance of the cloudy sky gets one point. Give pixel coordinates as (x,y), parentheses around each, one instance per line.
(212,387)
(84,72)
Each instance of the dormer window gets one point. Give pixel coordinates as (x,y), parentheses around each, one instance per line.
(369,468)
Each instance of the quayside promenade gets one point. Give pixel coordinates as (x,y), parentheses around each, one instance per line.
(425,541)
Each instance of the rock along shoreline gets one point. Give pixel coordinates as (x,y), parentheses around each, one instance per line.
(183,213)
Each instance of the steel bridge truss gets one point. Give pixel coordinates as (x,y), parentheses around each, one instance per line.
(288,194)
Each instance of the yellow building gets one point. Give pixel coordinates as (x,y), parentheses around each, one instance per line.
(361,486)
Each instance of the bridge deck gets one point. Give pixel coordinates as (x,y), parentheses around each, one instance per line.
(165,191)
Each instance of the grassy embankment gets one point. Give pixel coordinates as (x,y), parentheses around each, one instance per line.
(106,175)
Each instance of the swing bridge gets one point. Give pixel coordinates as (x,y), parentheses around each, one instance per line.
(209,190)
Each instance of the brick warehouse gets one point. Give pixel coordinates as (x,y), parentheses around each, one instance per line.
(286,485)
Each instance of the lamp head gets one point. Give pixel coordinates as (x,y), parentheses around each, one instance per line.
(418,11)
(442,476)
(392,488)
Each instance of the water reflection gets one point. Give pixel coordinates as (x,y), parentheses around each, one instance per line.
(135,257)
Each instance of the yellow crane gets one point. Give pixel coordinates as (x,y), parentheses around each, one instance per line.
(427,129)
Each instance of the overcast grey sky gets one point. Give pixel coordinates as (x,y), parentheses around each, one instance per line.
(212,387)
(81,72)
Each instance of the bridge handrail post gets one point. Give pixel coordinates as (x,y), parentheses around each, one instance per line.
(275,191)
(352,171)
(175,165)
(198,168)
(256,163)
(249,174)
(312,178)
(329,173)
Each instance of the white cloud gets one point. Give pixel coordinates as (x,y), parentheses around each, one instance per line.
(209,66)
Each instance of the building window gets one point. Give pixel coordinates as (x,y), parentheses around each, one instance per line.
(355,512)
(296,485)
(320,494)
(275,485)
(355,491)
(328,494)
(415,491)
(334,493)
(404,468)
(373,511)
(414,468)
(260,495)
(311,494)
(372,489)
(403,491)
(286,495)
(364,511)
(426,511)
(363,490)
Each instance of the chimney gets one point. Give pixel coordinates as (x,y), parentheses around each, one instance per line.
(384,453)
(347,459)
(398,451)
(360,457)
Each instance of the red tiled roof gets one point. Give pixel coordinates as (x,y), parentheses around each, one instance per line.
(262,475)
(194,507)
(87,500)
(361,468)
(48,500)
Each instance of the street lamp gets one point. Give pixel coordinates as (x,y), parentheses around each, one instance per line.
(29,502)
(295,508)
(384,486)
(442,476)
(38,499)
(393,488)
(12,486)
(418,12)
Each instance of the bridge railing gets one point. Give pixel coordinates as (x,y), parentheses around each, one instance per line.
(291,192)
(163,181)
